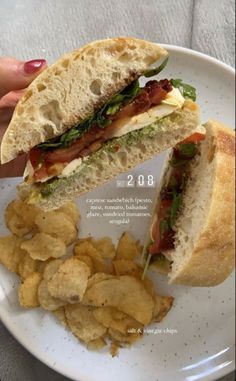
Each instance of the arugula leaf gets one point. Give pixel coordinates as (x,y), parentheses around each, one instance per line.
(187,91)
(188,149)
(176,203)
(112,109)
(164,227)
(157,70)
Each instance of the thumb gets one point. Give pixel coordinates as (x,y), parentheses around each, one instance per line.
(16,75)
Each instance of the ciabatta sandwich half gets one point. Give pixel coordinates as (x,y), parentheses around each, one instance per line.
(86,119)
(192,232)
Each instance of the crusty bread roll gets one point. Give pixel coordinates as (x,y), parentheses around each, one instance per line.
(107,163)
(204,253)
(73,88)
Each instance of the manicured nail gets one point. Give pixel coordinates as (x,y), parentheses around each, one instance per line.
(33,66)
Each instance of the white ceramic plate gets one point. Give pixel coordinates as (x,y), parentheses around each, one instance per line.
(196,339)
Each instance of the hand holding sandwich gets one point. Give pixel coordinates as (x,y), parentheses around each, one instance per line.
(15,76)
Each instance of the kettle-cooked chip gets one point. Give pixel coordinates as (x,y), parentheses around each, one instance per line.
(70,281)
(43,246)
(162,305)
(110,317)
(96,345)
(122,339)
(127,267)
(51,268)
(105,247)
(71,210)
(10,255)
(20,217)
(82,322)
(27,265)
(88,261)
(60,315)
(98,277)
(46,300)
(58,225)
(86,248)
(17,226)
(126,293)
(28,291)
(127,247)
(27,212)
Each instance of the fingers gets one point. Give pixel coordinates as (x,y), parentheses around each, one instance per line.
(7,106)
(16,75)
(11,99)
(15,168)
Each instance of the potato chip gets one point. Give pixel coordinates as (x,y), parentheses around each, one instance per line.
(10,256)
(28,291)
(129,338)
(43,246)
(70,281)
(89,262)
(149,286)
(58,225)
(96,345)
(126,293)
(27,265)
(127,267)
(20,217)
(114,349)
(98,277)
(82,322)
(110,317)
(162,305)
(27,212)
(71,210)
(9,212)
(105,247)
(51,268)
(42,264)
(60,315)
(46,300)
(127,247)
(86,248)
(17,226)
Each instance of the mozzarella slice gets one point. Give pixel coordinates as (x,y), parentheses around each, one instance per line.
(172,102)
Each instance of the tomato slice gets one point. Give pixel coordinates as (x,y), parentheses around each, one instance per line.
(166,240)
(41,173)
(35,155)
(194,138)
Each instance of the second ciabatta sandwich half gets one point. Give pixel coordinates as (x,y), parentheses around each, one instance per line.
(86,119)
(192,234)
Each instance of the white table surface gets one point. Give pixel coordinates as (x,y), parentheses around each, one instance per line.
(48,28)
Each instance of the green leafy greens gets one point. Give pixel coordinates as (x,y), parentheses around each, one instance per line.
(188,149)
(187,91)
(99,118)
(157,70)
(176,203)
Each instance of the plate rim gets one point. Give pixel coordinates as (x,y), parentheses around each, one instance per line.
(59,368)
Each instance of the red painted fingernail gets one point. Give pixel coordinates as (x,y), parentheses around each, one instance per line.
(33,66)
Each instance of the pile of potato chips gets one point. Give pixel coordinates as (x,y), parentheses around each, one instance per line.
(97,292)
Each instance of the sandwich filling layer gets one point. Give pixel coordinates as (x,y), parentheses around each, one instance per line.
(162,230)
(132,109)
